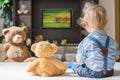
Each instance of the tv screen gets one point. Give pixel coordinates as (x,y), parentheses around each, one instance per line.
(56,18)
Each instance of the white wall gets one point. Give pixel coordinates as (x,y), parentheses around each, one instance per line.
(110,8)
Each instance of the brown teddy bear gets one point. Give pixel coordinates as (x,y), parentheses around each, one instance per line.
(14,48)
(45,64)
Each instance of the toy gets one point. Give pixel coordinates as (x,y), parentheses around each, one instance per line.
(22,23)
(14,47)
(23,9)
(55,42)
(45,64)
(64,42)
(38,38)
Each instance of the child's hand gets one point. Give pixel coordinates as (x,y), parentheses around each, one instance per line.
(70,64)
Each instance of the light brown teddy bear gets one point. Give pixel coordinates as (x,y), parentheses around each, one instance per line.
(45,64)
(14,48)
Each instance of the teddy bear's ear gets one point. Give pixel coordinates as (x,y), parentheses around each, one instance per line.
(33,47)
(25,29)
(5,31)
(54,48)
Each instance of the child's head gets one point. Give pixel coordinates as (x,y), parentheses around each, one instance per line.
(94,17)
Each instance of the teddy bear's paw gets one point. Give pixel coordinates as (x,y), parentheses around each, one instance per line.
(19,12)
(44,74)
(30,59)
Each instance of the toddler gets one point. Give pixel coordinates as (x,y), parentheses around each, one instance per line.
(96,52)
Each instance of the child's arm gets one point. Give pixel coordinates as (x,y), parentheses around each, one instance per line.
(79,61)
(81,56)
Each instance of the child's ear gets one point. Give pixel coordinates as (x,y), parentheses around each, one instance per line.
(86,23)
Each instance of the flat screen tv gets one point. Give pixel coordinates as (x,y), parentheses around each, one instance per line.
(56,18)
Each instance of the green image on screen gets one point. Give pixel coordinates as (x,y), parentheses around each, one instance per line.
(56,18)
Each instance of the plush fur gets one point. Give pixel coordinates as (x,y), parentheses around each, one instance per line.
(2,55)
(45,64)
(14,48)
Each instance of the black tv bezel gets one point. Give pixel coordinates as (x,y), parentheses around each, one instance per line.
(52,27)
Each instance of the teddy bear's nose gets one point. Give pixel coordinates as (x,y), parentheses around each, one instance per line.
(18,36)
(17,39)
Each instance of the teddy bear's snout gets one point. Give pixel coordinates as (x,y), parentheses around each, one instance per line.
(17,39)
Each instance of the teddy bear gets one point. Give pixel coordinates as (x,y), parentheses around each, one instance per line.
(14,47)
(38,38)
(45,65)
(23,9)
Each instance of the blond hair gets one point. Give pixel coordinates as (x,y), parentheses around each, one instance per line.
(96,14)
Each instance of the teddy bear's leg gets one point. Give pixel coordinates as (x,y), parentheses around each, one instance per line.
(30,59)
(9,60)
(32,65)
(51,70)
(35,73)
(45,74)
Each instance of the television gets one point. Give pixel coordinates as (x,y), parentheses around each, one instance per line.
(56,18)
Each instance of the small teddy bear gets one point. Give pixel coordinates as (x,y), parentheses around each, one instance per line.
(23,9)
(14,48)
(38,38)
(45,64)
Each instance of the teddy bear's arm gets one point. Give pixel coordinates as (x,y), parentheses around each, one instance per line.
(60,65)
(6,47)
(28,52)
(32,65)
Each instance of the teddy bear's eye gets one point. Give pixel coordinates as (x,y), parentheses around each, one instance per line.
(20,32)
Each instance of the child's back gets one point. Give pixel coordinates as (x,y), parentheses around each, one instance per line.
(96,53)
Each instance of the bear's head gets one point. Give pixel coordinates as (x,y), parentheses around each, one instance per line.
(44,49)
(15,35)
